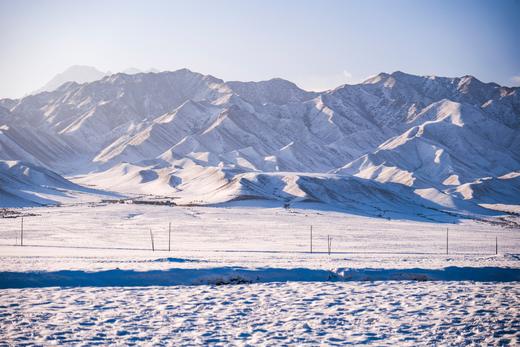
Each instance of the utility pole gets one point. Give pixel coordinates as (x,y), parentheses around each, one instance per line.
(447,232)
(169,235)
(21,233)
(496,245)
(151,238)
(311,238)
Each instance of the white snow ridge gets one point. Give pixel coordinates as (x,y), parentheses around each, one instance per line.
(175,208)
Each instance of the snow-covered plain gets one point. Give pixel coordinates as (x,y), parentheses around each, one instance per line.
(242,273)
(250,234)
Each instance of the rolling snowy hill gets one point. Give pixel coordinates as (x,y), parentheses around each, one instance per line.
(23,184)
(393,141)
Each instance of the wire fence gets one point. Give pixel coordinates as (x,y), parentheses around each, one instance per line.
(257,236)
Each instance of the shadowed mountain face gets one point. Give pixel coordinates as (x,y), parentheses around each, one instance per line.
(199,138)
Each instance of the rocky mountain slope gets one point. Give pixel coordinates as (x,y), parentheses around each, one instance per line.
(428,140)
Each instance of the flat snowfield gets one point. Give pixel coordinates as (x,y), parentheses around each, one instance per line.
(243,274)
(378,313)
(249,234)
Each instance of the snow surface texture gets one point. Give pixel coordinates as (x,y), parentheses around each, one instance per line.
(394,143)
(378,313)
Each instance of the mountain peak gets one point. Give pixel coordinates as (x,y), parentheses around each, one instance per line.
(74,73)
(275,90)
(376,78)
(400,74)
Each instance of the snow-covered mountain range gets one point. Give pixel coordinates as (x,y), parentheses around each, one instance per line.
(394,142)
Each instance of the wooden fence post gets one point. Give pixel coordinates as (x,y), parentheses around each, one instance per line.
(311,238)
(151,238)
(447,242)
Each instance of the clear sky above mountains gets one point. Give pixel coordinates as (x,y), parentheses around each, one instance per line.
(317,44)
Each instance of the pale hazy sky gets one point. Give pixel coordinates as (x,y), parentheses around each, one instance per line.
(317,44)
